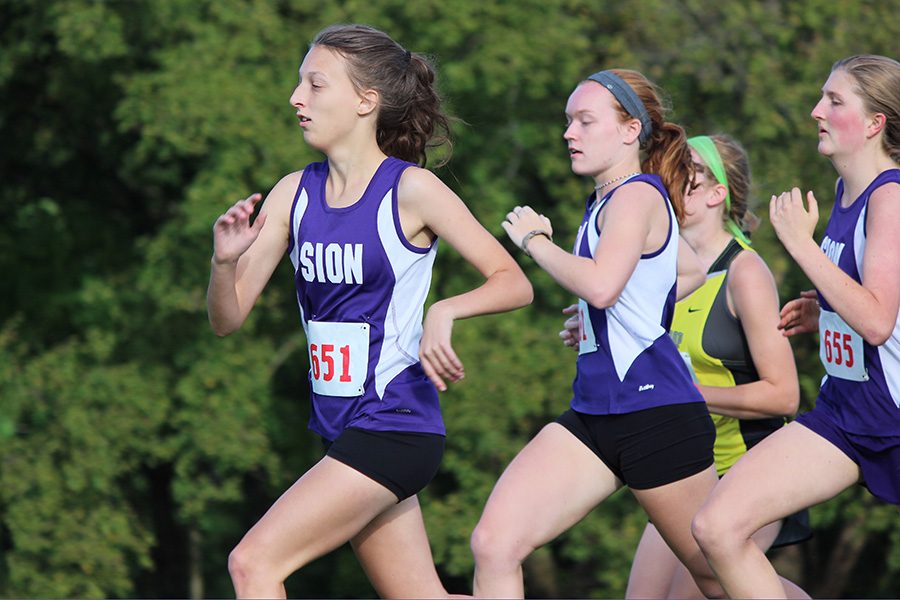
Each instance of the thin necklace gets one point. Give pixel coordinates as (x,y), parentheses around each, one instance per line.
(612,181)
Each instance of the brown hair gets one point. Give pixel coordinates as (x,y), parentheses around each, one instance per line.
(410,119)
(737,172)
(667,152)
(878,84)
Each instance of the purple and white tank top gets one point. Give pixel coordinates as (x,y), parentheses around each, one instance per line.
(862,385)
(626,360)
(361,288)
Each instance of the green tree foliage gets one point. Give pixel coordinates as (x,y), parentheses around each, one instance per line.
(136,447)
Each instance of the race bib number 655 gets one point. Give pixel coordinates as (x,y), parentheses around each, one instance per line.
(841,348)
(338,357)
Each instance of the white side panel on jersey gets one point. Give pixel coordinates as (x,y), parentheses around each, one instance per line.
(403,321)
(889,352)
(859,240)
(299,211)
(628,330)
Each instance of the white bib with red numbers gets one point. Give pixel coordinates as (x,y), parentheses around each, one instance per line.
(338,357)
(841,348)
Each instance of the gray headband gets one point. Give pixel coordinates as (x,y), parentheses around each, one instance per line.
(627,98)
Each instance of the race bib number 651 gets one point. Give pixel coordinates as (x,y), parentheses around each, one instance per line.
(338,357)
(841,348)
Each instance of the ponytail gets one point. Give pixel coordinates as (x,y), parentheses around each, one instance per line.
(737,171)
(669,157)
(410,119)
(666,151)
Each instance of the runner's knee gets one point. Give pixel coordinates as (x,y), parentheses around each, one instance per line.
(244,565)
(714,529)
(493,549)
(239,565)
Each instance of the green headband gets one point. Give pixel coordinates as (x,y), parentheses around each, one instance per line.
(706,148)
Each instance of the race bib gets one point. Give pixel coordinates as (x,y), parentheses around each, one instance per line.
(338,357)
(841,348)
(587,341)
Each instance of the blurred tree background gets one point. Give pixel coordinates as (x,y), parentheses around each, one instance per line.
(136,447)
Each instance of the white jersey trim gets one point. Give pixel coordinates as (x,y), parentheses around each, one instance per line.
(297,213)
(403,320)
(629,332)
(889,352)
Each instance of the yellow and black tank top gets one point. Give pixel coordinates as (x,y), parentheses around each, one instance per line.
(713,342)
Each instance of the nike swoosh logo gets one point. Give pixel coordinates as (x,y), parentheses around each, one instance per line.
(693,310)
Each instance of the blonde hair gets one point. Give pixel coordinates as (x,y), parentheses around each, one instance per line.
(878,84)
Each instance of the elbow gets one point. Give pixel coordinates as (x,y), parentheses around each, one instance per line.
(879,328)
(224,321)
(517,289)
(788,402)
(525,294)
(790,406)
(222,329)
(601,296)
(877,334)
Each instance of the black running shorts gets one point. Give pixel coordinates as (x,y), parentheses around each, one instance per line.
(403,462)
(651,447)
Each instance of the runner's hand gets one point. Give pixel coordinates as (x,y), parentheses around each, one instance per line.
(232,231)
(439,361)
(800,315)
(521,221)
(792,221)
(571,327)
